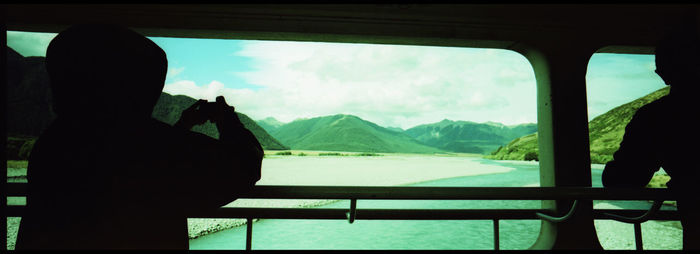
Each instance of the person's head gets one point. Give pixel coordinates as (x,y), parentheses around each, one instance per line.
(678,58)
(99,70)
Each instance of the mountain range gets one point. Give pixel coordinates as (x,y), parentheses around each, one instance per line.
(346,133)
(351,133)
(468,137)
(29,109)
(605,133)
(29,112)
(270,124)
(169,107)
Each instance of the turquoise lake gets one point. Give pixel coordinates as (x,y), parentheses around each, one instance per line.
(437,234)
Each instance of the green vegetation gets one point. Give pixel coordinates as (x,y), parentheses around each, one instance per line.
(368,154)
(523,148)
(605,133)
(659,181)
(531,156)
(346,133)
(314,153)
(17,164)
(468,137)
(331,154)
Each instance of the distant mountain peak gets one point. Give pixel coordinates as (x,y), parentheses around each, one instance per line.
(340,118)
(496,124)
(345,116)
(466,136)
(344,132)
(272,121)
(398,129)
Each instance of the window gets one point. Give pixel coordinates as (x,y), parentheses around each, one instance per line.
(617,84)
(351,115)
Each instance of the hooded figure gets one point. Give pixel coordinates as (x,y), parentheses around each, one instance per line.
(104,174)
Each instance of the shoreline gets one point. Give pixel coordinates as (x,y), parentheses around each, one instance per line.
(197,227)
(201,227)
(323,171)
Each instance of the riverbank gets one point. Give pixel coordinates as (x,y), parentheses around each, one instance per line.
(385,170)
(317,170)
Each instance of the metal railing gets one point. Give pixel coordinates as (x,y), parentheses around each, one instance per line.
(351,214)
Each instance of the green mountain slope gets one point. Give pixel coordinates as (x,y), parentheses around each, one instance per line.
(468,137)
(29,107)
(346,133)
(605,133)
(169,107)
(270,124)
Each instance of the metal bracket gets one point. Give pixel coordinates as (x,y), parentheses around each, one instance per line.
(353,211)
(559,219)
(639,219)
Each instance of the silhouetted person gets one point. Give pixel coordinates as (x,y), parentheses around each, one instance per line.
(664,133)
(105,175)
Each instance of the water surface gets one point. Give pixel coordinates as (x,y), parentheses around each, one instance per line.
(435,234)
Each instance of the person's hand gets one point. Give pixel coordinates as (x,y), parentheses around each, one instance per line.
(220,112)
(192,116)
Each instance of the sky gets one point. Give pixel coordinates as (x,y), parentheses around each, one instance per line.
(390,85)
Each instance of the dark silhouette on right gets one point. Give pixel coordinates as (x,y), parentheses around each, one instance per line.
(664,133)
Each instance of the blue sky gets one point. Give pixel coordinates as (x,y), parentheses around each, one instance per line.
(391,85)
(197,60)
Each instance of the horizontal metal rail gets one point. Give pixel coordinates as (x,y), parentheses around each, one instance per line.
(428,193)
(458,193)
(393,214)
(437,193)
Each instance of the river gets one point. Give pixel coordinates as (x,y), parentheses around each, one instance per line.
(427,234)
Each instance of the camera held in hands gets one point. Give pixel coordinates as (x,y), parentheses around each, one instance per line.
(208,110)
(215,110)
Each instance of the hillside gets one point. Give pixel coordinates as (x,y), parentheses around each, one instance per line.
(346,133)
(29,107)
(169,107)
(468,137)
(605,133)
(270,124)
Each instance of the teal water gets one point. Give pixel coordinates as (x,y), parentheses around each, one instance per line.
(405,234)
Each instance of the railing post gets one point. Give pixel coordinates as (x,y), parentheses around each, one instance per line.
(496,235)
(638,236)
(249,234)
(350,214)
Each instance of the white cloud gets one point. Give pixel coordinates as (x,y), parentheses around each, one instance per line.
(186,87)
(390,85)
(172,72)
